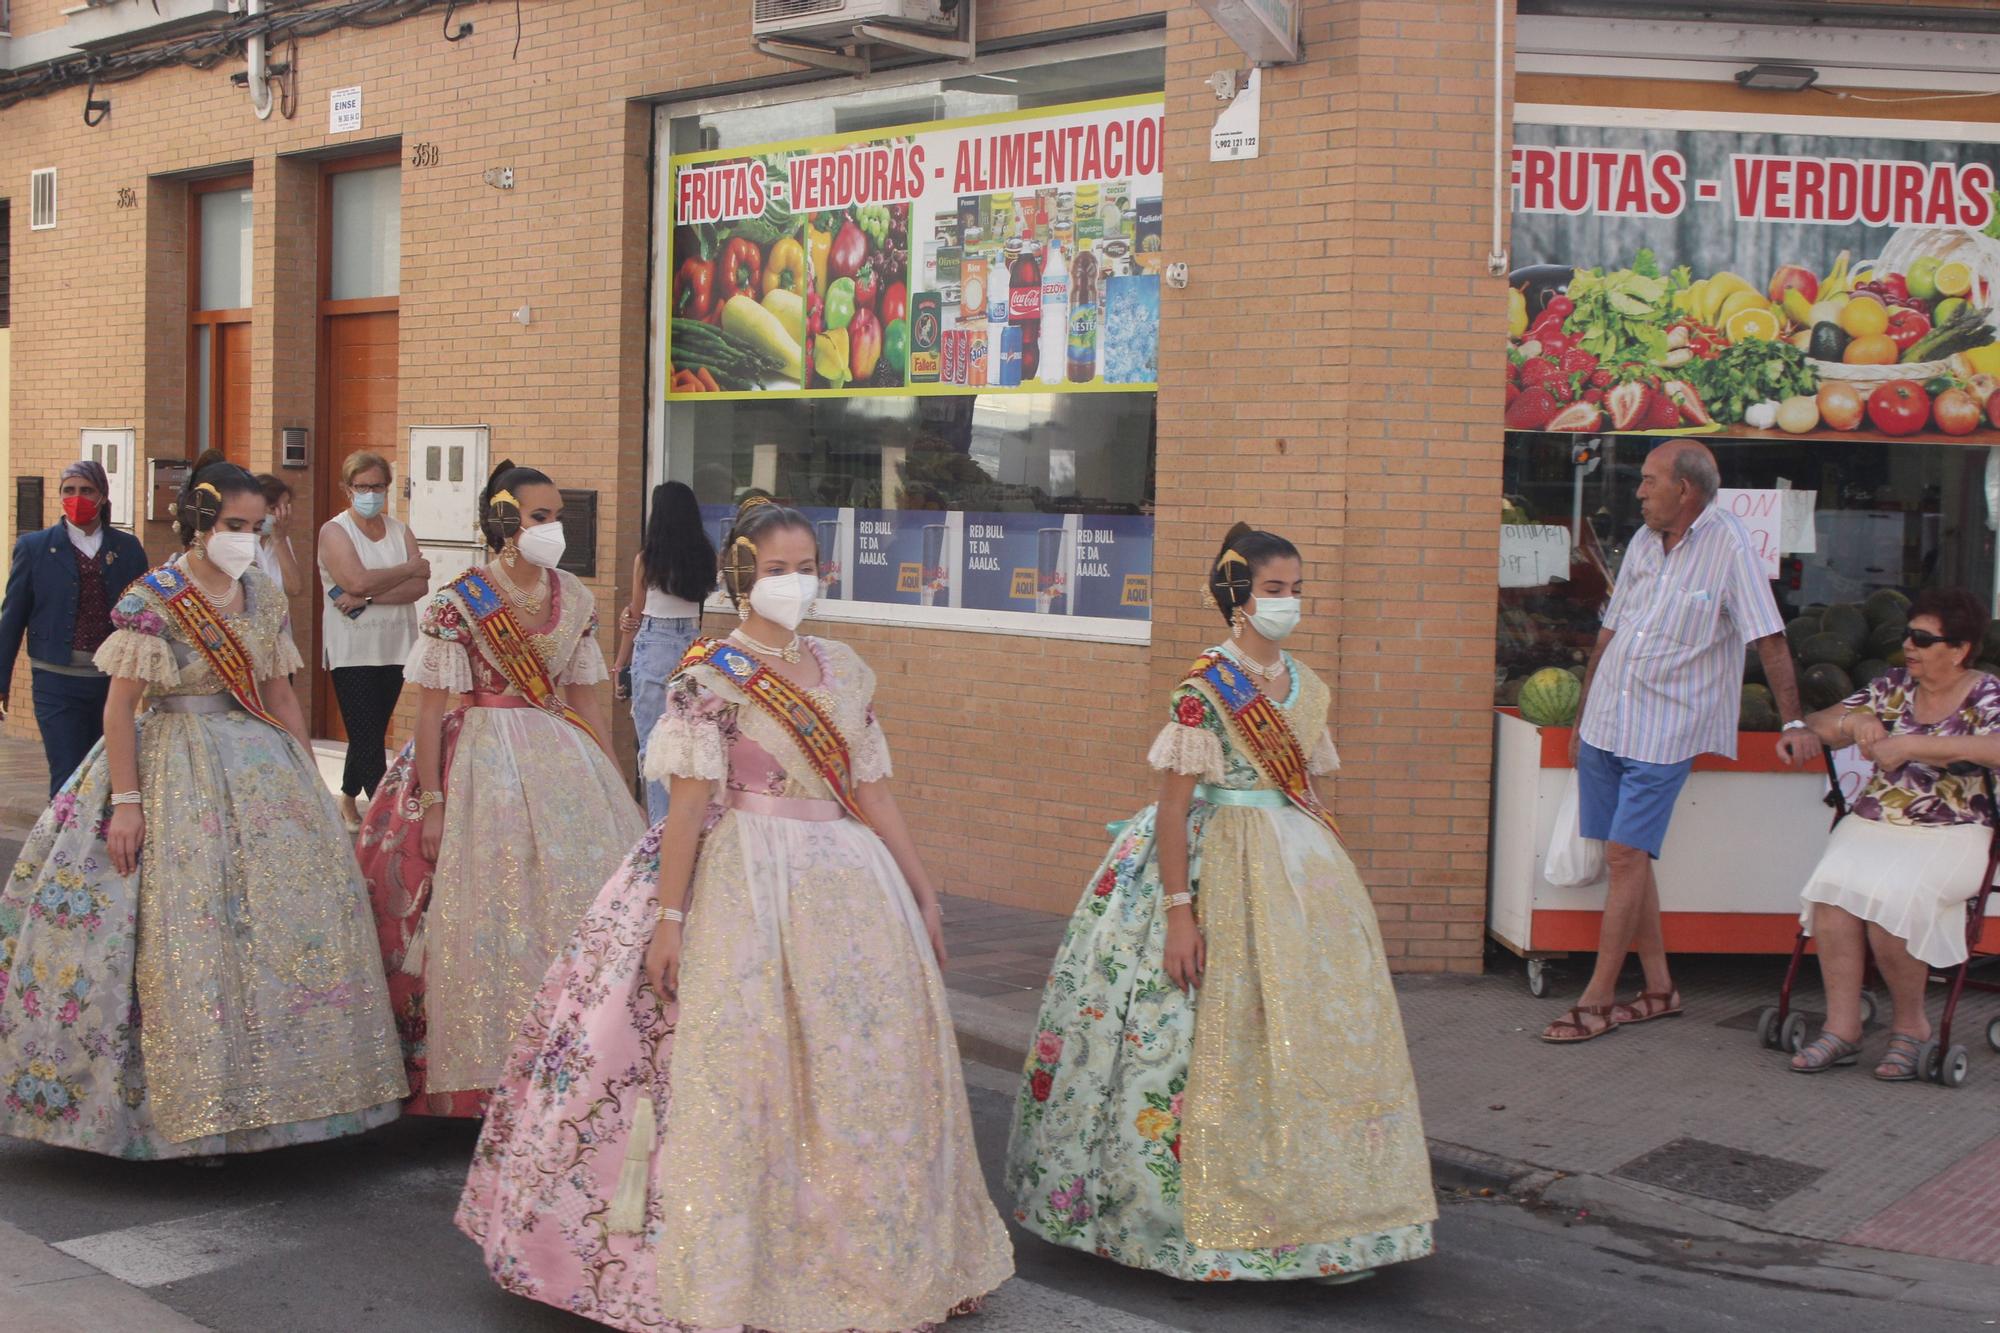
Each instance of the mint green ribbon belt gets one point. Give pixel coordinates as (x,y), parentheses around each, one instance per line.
(1263,798)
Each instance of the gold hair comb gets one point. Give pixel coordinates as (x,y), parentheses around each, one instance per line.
(503,497)
(1230,557)
(205,486)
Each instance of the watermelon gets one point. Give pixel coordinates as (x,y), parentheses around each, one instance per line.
(1550,697)
(1886,605)
(1759,711)
(1510,693)
(1873,669)
(1825,685)
(1848,623)
(1829,648)
(1887,637)
(1801,628)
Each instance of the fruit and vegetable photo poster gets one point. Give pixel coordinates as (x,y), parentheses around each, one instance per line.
(1757,285)
(1012,253)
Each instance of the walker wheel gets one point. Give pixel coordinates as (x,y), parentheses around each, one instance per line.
(1538,978)
(1792,1036)
(1868,1008)
(1993,1034)
(1767,1028)
(1954,1067)
(1929,1062)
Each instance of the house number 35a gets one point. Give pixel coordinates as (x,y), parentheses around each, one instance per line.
(128,197)
(424,155)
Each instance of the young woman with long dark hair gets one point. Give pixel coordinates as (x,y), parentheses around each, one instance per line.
(672,575)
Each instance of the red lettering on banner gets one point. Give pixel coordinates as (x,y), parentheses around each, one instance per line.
(721,192)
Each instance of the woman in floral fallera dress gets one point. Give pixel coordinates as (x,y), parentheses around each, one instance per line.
(500,820)
(783,1144)
(1228,1100)
(193,870)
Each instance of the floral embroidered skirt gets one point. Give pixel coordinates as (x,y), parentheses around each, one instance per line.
(243,939)
(535,820)
(825,1178)
(1132,1099)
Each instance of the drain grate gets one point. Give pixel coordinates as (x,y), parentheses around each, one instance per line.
(1719,1172)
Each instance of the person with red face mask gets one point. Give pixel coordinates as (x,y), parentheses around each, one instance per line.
(61,587)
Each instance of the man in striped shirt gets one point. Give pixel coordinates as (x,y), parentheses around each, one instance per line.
(1665,684)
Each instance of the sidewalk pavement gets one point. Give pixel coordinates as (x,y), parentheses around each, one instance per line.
(1685,1123)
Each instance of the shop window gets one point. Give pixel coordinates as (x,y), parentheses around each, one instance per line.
(219,285)
(1866,517)
(367,233)
(884,309)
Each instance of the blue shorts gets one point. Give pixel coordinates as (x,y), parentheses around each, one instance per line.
(1625,801)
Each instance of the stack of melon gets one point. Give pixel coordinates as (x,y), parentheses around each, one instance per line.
(1840,648)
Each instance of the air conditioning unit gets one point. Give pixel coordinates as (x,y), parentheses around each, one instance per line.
(833,22)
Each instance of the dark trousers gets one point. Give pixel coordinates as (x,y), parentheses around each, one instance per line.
(367,696)
(70,712)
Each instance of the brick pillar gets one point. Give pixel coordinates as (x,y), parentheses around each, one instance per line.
(165,411)
(285,362)
(1325,375)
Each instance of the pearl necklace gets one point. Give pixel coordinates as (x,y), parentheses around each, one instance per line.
(217,602)
(1242,659)
(788,653)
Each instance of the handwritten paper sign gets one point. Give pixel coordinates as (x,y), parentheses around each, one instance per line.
(1763,513)
(1533,555)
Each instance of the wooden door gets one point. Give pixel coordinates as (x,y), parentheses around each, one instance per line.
(360,377)
(232,392)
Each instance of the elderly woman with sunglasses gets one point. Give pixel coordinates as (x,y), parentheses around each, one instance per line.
(1896,874)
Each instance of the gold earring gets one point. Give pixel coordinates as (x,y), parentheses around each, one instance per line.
(742,611)
(1237,620)
(510,552)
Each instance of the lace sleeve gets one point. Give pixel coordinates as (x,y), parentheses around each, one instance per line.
(1190,744)
(1324,759)
(137,648)
(586,663)
(871,752)
(440,660)
(285,657)
(687,741)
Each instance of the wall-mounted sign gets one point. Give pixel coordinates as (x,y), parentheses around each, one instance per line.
(343,113)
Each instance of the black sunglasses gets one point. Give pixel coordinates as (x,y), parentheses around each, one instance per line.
(1924,638)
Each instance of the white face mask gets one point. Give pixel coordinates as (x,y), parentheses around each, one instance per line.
(369,503)
(268,524)
(232,552)
(1275,617)
(784,599)
(542,545)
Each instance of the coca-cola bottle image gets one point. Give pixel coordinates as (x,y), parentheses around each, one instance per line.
(1024,302)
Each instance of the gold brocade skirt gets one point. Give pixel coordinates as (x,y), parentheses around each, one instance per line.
(1301,1118)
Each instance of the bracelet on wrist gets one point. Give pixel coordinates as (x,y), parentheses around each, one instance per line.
(127,798)
(673,914)
(1180,900)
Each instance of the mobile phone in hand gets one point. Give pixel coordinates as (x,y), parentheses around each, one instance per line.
(623,689)
(335,593)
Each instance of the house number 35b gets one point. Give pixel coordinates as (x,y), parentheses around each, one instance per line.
(423,155)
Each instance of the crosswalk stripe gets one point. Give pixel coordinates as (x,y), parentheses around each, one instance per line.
(1022,1306)
(184,1247)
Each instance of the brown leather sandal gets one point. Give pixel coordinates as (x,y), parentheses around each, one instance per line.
(1640,1007)
(1573,1020)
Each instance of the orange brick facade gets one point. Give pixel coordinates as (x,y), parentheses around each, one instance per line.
(1326,373)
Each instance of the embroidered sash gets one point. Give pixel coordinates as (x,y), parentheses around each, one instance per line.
(804,721)
(512,653)
(211,637)
(1262,731)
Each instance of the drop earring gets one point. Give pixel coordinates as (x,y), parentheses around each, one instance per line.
(510,553)
(1237,620)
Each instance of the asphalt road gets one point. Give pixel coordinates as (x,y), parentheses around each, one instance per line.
(357,1236)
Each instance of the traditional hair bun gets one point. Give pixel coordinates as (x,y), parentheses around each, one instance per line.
(758,513)
(1234,573)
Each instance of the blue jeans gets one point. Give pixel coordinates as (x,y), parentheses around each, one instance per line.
(656,651)
(70,712)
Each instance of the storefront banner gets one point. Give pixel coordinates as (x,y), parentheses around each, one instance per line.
(1754,285)
(1094,565)
(1015,253)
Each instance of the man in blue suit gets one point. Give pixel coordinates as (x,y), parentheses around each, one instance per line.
(60,591)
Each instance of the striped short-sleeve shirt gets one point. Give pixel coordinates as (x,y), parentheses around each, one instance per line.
(1671,682)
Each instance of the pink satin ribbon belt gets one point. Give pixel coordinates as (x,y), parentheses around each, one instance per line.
(480,699)
(786,807)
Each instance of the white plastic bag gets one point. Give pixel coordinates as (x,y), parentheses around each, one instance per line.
(1574,861)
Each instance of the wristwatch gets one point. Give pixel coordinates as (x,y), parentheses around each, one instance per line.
(418,804)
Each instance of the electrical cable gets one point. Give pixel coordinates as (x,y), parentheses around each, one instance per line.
(207,50)
(1896,101)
